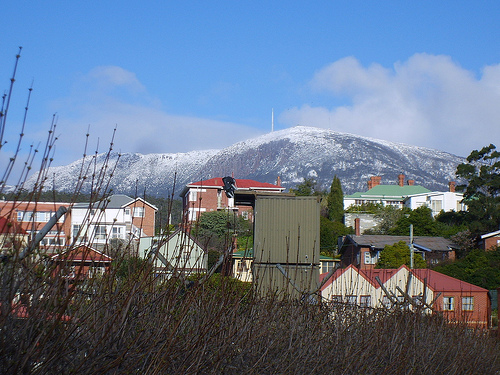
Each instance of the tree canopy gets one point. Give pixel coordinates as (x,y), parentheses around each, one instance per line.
(394,256)
(481,188)
(478,267)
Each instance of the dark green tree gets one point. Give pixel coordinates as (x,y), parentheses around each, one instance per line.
(394,256)
(216,229)
(422,220)
(478,267)
(482,188)
(329,233)
(336,201)
(306,188)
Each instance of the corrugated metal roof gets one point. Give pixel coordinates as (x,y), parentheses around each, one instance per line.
(389,191)
(436,281)
(379,241)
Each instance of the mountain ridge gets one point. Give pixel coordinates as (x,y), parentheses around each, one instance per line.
(293,154)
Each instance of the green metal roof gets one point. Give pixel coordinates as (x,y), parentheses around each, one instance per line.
(247,253)
(389,191)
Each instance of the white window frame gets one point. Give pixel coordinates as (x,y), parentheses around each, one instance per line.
(139,211)
(468,303)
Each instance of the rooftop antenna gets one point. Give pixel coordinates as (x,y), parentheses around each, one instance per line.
(272,119)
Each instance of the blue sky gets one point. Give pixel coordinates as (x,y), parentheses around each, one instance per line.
(180,76)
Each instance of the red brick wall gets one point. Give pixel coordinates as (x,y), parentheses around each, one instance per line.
(211,199)
(478,317)
(491,242)
(147,223)
(9,209)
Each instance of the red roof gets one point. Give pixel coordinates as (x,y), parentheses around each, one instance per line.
(9,227)
(240,184)
(436,281)
(83,253)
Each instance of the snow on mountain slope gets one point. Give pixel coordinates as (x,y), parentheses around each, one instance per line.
(292,154)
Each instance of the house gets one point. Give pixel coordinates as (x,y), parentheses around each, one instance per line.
(31,217)
(80,262)
(208,195)
(424,289)
(363,251)
(243,259)
(489,240)
(178,252)
(12,235)
(120,217)
(437,201)
(242,265)
(393,195)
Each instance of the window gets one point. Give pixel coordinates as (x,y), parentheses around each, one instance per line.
(351,299)
(24,215)
(467,303)
(117,232)
(365,301)
(449,303)
(386,302)
(138,211)
(436,205)
(327,266)
(369,259)
(76,230)
(100,232)
(127,212)
(337,299)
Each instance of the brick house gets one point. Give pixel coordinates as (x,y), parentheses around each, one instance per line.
(489,240)
(80,262)
(426,289)
(363,251)
(121,217)
(208,195)
(12,235)
(33,216)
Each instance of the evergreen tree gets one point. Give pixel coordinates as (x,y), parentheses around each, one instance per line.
(482,188)
(336,201)
(306,188)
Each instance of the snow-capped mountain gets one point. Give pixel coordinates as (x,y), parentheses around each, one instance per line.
(293,154)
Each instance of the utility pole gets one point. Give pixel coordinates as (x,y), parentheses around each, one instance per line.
(411,246)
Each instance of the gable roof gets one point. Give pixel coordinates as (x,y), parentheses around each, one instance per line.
(436,281)
(340,271)
(389,191)
(10,227)
(116,201)
(378,242)
(83,253)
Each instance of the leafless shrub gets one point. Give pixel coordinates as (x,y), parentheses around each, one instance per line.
(129,322)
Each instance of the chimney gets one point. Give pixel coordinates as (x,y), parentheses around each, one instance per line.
(374,181)
(401,180)
(357,226)
(278,181)
(451,184)
(411,182)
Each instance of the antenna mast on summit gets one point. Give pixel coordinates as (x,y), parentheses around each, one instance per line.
(272,119)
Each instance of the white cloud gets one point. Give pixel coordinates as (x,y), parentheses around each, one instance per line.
(427,100)
(111,96)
